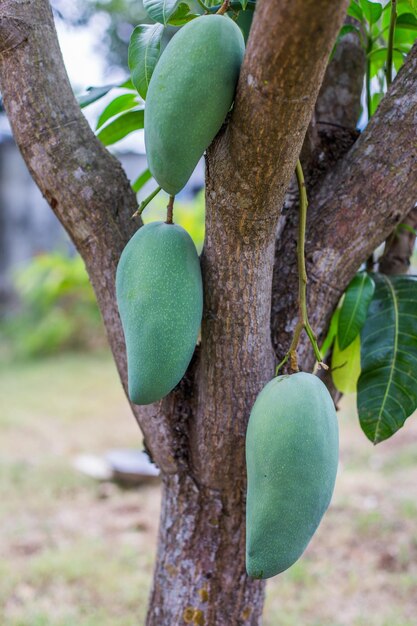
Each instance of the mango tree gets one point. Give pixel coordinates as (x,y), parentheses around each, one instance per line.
(298,97)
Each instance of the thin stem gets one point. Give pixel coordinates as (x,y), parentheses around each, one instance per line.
(146,201)
(302,323)
(233,5)
(368,81)
(170,210)
(224,8)
(203,6)
(393,19)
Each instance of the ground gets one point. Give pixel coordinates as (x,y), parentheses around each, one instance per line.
(78,553)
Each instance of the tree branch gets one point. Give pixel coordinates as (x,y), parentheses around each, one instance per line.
(287,53)
(248,170)
(399,246)
(356,207)
(84,184)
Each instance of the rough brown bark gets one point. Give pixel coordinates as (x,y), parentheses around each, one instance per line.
(84,184)
(352,211)
(202,544)
(236,357)
(399,246)
(196,435)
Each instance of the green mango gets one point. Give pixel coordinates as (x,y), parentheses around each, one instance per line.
(292,454)
(160,298)
(189,95)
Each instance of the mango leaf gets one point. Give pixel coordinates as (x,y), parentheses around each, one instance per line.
(346,365)
(375,100)
(331,333)
(406,20)
(355,11)
(118,105)
(121,126)
(355,306)
(387,387)
(141,180)
(93,94)
(144,52)
(160,10)
(413,5)
(371,10)
(181,15)
(378,59)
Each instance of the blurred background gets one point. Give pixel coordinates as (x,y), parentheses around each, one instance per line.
(78,527)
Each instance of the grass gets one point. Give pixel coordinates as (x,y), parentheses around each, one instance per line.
(77,554)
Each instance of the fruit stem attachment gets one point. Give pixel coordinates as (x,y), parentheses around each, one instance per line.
(302,322)
(170,210)
(224,7)
(236,6)
(390,45)
(146,201)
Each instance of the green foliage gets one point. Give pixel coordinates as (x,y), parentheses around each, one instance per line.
(160,298)
(121,126)
(144,51)
(161,10)
(122,103)
(210,48)
(141,180)
(355,306)
(379,362)
(58,309)
(93,94)
(373,27)
(371,10)
(291,456)
(244,21)
(387,387)
(182,15)
(346,365)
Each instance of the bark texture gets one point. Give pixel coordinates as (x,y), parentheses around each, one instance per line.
(352,211)
(399,246)
(83,183)
(196,434)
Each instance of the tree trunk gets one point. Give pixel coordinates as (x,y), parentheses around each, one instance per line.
(200,575)
(197,434)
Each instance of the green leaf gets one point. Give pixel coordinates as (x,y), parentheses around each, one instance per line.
(144,52)
(118,105)
(346,365)
(347,28)
(387,387)
(371,10)
(160,10)
(355,11)
(407,228)
(407,21)
(93,94)
(121,126)
(379,57)
(181,15)
(375,100)
(141,180)
(413,5)
(355,306)
(244,4)
(331,334)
